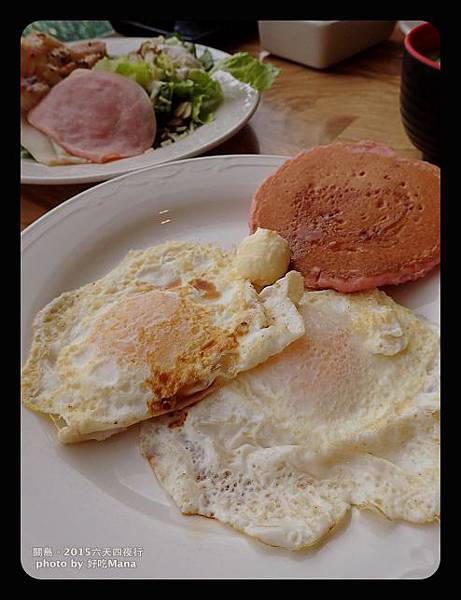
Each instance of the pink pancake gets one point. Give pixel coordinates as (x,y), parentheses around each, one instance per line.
(97,115)
(356,216)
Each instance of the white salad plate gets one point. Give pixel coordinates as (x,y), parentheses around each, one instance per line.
(82,501)
(239,103)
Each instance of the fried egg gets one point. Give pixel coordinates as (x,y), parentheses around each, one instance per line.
(347,415)
(160,331)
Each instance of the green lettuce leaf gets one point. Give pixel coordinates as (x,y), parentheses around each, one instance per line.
(184,89)
(163,99)
(137,70)
(25,153)
(191,47)
(207,60)
(206,95)
(166,66)
(203,92)
(250,70)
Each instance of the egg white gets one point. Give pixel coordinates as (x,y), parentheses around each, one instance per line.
(347,415)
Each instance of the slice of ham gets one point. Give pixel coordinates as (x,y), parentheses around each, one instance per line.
(97,115)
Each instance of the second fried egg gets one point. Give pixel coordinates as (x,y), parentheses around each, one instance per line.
(347,415)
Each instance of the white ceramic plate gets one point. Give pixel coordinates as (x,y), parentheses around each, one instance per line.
(103,495)
(239,104)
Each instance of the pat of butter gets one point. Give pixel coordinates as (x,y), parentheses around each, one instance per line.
(262,257)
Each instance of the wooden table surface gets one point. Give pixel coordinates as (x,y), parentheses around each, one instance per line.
(357,99)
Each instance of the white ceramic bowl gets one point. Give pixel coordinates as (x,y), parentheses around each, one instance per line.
(320,44)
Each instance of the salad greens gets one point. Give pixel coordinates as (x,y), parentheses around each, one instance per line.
(138,71)
(180,81)
(25,153)
(246,68)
